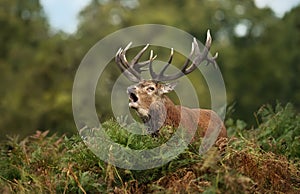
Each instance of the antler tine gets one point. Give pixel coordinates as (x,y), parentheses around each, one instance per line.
(207,47)
(188,60)
(152,73)
(127,66)
(196,50)
(208,40)
(139,55)
(123,68)
(123,64)
(132,70)
(127,46)
(118,60)
(138,66)
(183,69)
(166,65)
(198,59)
(121,56)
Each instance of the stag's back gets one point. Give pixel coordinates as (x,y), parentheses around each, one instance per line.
(204,120)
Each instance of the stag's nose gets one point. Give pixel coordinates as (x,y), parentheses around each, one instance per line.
(131,90)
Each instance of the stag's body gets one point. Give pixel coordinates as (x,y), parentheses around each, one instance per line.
(203,120)
(148,97)
(157,110)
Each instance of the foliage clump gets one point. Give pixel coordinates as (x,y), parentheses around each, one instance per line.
(240,164)
(279,131)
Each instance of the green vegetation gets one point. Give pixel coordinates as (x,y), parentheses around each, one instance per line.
(247,162)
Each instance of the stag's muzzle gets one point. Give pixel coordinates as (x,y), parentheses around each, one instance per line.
(131,91)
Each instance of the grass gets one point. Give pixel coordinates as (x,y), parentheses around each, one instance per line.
(261,160)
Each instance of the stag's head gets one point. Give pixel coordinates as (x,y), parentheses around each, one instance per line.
(146,92)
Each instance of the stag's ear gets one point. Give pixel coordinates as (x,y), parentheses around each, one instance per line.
(168,87)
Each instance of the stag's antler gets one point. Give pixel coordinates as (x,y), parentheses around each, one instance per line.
(133,69)
(187,67)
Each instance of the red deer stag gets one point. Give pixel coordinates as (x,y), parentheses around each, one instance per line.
(148,97)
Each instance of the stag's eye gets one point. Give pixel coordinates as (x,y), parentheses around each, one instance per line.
(150,89)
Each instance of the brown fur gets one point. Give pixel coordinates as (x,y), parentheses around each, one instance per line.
(157,110)
(192,118)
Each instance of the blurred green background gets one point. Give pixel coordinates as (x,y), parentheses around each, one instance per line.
(259,55)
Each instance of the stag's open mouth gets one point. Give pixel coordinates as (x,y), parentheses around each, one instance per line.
(133,100)
(133,97)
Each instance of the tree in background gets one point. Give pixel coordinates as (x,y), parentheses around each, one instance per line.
(259,55)
(35,65)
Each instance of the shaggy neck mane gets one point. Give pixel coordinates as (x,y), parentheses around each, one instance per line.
(173,112)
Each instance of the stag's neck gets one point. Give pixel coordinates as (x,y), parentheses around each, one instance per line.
(173,113)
